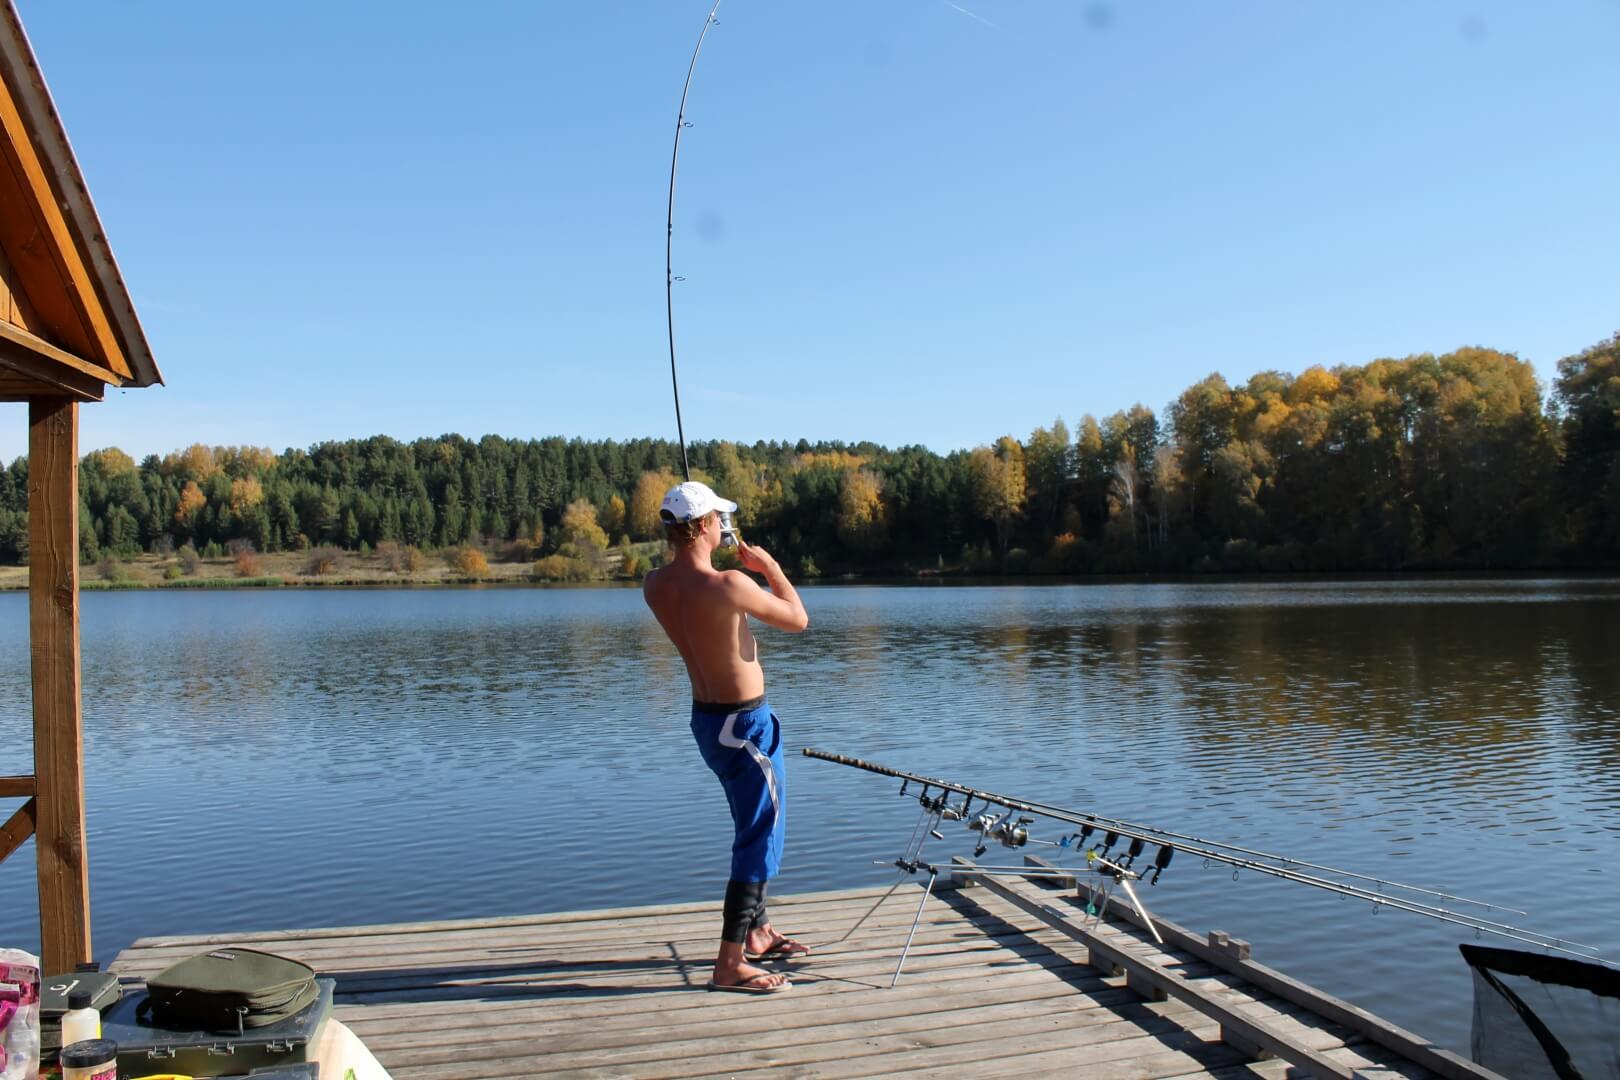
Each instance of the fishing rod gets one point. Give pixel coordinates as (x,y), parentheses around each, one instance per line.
(999,827)
(669,235)
(1287,860)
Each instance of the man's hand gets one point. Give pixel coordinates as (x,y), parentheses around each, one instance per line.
(756,559)
(781,607)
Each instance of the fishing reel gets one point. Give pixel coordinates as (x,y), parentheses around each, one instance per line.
(1012,834)
(730,535)
(1001,828)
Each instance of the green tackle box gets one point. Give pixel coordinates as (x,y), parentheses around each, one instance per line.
(144,1048)
(53,1002)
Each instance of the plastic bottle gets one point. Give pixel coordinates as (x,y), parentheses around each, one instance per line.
(80,1023)
(93,1059)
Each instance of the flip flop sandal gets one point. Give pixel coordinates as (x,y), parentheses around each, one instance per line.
(745,986)
(786,949)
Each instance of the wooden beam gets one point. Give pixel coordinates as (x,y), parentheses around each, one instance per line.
(1250,1034)
(17,829)
(1230,954)
(16,785)
(53,624)
(62,372)
(17,337)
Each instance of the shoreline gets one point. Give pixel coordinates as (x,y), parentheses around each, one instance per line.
(290,570)
(218,574)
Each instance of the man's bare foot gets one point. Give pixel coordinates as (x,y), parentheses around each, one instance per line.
(766,943)
(747,978)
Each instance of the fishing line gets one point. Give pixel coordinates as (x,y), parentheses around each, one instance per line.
(669,236)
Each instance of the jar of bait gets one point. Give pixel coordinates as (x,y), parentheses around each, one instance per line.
(91,1059)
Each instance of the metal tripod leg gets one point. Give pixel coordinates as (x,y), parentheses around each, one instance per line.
(901,881)
(1136,901)
(933,873)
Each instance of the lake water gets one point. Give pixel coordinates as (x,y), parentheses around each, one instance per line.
(267,759)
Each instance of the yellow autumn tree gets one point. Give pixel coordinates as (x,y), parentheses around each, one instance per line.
(192,500)
(1312,384)
(998,485)
(246,493)
(199,461)
(111,461)
(579,527)
(861,523)
(244,460)
(644,502)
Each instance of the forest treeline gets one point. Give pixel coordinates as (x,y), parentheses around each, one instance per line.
(1432,462)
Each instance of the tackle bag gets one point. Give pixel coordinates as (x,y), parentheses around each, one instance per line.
(230,989)
(144,1050)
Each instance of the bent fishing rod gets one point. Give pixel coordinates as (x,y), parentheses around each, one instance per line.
(669,235)
(1001,828)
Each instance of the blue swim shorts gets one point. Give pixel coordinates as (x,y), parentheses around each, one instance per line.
(742,745)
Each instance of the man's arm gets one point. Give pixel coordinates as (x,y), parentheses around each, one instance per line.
(781,607)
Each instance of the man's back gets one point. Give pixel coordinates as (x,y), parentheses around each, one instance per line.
(698,608)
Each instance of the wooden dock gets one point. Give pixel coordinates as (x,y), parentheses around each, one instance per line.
(1000,982)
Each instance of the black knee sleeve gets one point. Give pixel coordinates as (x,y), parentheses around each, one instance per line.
(760,918)
(745,902)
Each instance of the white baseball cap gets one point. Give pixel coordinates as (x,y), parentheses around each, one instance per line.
(691,500)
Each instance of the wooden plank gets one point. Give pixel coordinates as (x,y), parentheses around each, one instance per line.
(662,971)
(698,920)
(777,906)
(18,339)
(14,306)
(1064,880)
(712,1017)
(53,624)
(959,1045)
(622,1021)
(1214,950)
(720,1030)
(1236,1026)
(1362,1055)
(600,1011)
(14,786)
(826,926)
(17,829)
(15,387)
(962,1043)
(52,376)
(539,964)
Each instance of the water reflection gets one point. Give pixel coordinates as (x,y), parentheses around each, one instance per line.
(388,756)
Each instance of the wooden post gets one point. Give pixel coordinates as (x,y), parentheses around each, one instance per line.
(53,625)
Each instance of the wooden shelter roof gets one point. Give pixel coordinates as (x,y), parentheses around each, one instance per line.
(67,324)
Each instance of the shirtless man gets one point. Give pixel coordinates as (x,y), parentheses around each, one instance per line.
(705,613)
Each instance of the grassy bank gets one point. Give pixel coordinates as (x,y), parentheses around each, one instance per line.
(294,570)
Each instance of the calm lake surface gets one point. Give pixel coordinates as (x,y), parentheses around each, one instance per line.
(261,760)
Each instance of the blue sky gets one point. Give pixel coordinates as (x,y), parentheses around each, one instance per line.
(914,221)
